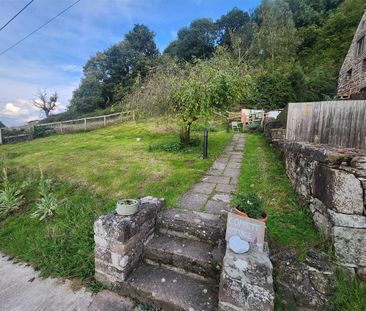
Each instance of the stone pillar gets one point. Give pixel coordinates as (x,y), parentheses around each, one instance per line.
(246,282)
(119,241)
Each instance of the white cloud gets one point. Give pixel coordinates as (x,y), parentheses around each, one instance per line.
(21,111)
(11,110)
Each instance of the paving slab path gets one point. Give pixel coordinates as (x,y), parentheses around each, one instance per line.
(214,192)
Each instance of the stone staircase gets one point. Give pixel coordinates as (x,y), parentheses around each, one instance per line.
(181,262)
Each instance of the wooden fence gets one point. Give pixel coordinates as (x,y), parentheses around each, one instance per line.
(28,132)
(335,123)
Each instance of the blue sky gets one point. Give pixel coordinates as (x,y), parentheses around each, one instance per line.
(52,59)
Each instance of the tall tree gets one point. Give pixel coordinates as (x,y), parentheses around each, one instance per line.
(196,41)
(110,75)
(45,103)
(233,23)
(275,39)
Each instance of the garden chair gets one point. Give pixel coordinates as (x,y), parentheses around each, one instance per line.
(235,126)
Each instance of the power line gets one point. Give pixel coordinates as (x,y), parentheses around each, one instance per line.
(10,20)
(39,28)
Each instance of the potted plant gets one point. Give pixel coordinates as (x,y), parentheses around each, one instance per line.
(249,205)
(127,207)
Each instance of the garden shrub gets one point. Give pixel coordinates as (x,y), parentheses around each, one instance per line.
(11,198)
(248,203)
(48,202)
(175,146)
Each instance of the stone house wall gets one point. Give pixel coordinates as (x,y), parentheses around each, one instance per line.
(333,183)
(352,76)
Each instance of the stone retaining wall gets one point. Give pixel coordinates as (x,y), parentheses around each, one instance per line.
(333,183)
(119,241)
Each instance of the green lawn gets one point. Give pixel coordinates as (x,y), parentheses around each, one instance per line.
(92,170)
(290,224)
(111,161)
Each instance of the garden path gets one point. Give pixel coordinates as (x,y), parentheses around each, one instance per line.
(213,193)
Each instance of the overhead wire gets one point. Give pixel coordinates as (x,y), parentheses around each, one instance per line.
(10,20)
(39,28)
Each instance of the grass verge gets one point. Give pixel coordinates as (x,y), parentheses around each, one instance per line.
(290,224)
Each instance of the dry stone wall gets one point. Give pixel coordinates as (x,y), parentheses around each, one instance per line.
(333,182)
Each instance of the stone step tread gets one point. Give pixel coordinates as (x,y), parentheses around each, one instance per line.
(203,226)
(193,256)
(171,290)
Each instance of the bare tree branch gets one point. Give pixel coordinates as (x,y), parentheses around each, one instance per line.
(44,103)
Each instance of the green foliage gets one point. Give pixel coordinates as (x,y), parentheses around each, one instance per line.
(48,202)
(350,295)
(234,23)
(176,146)
(42,131)
(196,41)
(274,18)
(249,203)
(11,198)
(110,75)
(298,61)
(206,87)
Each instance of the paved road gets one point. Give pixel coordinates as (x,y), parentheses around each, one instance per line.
(22,290)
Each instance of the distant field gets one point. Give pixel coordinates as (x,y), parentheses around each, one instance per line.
(113,163)
(91,170)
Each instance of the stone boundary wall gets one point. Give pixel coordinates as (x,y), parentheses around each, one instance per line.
(119,241)
(332,182)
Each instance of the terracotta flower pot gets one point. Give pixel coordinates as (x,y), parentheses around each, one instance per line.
(238,212)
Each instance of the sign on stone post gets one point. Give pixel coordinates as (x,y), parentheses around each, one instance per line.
(247,229)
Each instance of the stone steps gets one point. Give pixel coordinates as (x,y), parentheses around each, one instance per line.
(170,290)
(190,255)
(193,225)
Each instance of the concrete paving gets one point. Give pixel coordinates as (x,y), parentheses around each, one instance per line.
(22,290)
(213,193)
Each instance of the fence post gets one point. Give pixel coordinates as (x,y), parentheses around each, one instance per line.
(105,120)
(61,129)
(85,124)
(31,132)
(1,136)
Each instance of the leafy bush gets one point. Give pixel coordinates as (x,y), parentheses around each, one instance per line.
(175,146)
(202,127)
(48,202)
(11,198)
(249,203)
(42,131)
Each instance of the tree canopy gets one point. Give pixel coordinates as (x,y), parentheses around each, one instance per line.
(292,50)
(110,75)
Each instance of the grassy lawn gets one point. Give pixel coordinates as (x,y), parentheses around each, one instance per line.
(289,224)
(91,170)
(111,161)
